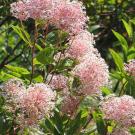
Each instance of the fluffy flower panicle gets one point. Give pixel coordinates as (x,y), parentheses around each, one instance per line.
(39,9)
(59,82)
(120,109)
(19,10)
(69,16)
(93,73)
(81,44)
(38,102)
(84,35)
(70,104)
(65,15)
(130,68)
(36,9)
(14,88)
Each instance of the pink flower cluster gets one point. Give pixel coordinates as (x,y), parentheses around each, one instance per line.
(70,104)
(37,103)
(92,69)
(120,109)
(69,16)
(59,82)
(14,88)
(81,44)
(121,131)
(19,10)
(65,15)
(34,103)
(92,72)
(35,9)
(130,68)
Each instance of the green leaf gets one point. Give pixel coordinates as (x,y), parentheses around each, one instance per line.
(36,62)
(15,74)
(58,122)
(5,76)
(2,101)
(111,1)
(51,126)
(116,75)
(101,127)
(128,28)
(89,131)
(94,28)
(106,91)
(101,1)
(130,87)
(23,34)
(122,41)
(75,125)
(38,78)
(39,47)
(133,21)
(117,59)
(131,53)
(45,56)
(18,70)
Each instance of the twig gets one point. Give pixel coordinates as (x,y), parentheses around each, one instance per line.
(88,121)
(33,50)
(2,64)
(122,89)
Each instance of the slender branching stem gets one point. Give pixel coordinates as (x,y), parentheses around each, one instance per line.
(33,51)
